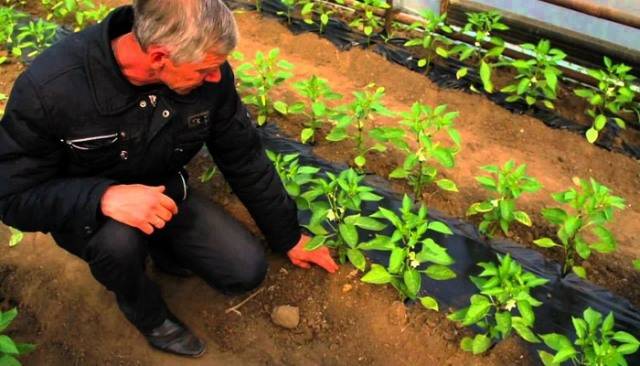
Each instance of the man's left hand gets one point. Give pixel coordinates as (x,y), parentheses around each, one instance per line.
(304,258)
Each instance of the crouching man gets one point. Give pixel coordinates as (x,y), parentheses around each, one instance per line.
(92,147)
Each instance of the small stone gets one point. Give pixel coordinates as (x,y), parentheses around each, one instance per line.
(347,287)
(286,316)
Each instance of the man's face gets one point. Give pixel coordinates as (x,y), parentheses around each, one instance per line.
(185,77)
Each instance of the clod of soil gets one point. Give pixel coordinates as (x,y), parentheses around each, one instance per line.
(286,316)
(397,313)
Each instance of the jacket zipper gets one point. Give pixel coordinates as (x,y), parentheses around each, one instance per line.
(73,143)
(184,186)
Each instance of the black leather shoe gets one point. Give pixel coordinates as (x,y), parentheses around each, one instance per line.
(174,337)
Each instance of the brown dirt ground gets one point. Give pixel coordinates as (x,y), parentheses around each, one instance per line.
(75,321)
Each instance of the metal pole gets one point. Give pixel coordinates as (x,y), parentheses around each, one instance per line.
(600,11)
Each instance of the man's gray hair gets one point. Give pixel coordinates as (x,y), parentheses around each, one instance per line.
(188,28)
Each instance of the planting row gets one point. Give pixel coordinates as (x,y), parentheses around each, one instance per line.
(503,304)
(536,79)
(430,142)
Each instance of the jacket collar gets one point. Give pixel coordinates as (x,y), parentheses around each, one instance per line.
(112,92)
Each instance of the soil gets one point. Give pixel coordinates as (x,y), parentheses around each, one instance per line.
(76,322)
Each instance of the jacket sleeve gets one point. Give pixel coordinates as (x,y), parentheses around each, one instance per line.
(34,195)
(238,152)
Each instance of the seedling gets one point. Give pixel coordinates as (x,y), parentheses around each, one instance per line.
(335,204)
(290,6)
(258,78)
(36,36)
(597,343)
(310,7)
(9,349)
(368,21)
(430,25)
(90,15)
(9,18)
(507,184)
(426,125)
(581,229)
(293,175)
(317,92)
(613,95)
(366,106)
(537,77)
(481,27)
(504,288)
(410,252)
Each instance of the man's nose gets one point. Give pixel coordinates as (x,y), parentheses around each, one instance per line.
(213,77)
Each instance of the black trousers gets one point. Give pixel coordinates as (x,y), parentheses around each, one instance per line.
(202,237)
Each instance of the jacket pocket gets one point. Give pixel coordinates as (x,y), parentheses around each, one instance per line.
(95,152)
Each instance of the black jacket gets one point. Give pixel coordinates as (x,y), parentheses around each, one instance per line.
(74,125)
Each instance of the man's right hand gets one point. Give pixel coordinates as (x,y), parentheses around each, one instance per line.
(139,206)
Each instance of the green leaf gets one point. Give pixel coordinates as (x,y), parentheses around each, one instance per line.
(522,218)
(556,341)
(315,243)
(480,344)
(413,281)
(377,275)
(360,161)
(439,227)
(579,271)
(479,308)
(466,344)
(349,233)
(306,135)
(503,322)
(7,345)
(526,312)
(368,223)
(636,264)
(24,348)
(429,303)
(281,107)
(8,360)
(547,359)
(599,122)
(396,260)
(447,185)
(380,242)
(554,215)
(551,77)
(462,72)
(440,272)
(337,134)
(564,354)
(16,236)
(624,337)
(357,259)
(525,332)
(592,135)
(485,76)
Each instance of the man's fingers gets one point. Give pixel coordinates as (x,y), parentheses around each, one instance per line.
(169,204)
(327,263)
(158,188)
(302,264)
(146,228)
(163,213)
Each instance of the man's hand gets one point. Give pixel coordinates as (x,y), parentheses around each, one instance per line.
(139,206)
(303,258)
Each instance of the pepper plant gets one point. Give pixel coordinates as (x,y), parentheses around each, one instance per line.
(90,14)
(335,203)
(366,106)
(410,251)
(9,349)
(290,6)
(317,93)
(581,226)
(613,95)
(538,77)
(293,175)
(597,343)
(507,185)
(320,8)
(36,36)
(426,125)
(504,288)
(430,25)
(9,19)
(367,20)
(258,78)
(481,27)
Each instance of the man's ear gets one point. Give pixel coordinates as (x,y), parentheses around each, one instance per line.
(158,57)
